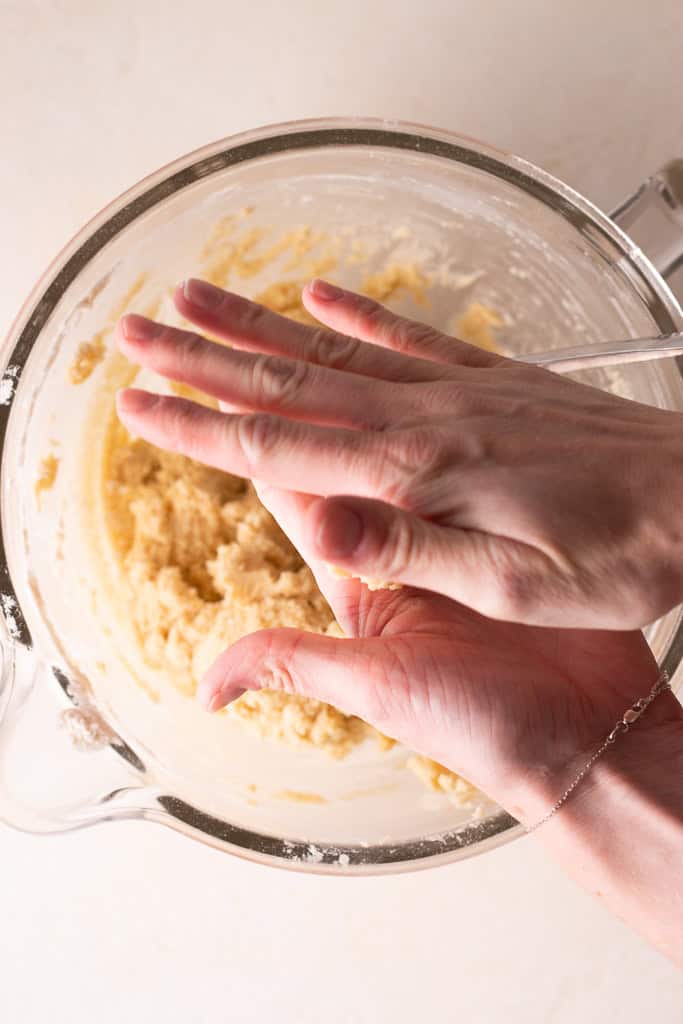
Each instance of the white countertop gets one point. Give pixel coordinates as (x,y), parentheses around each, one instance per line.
(131,922)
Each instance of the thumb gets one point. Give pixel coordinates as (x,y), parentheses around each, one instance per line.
(379,541)
(343,672)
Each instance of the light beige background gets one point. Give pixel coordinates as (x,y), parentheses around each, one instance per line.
(129,922)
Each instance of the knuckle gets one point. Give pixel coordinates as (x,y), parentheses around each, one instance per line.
(410,457)
(329,349)
(473,443)
(258,434)
(278,380)
(252,315)
(277,675)
(409,336)
(189,354)
(399,548)
(278,669)
(369,315)
(417,450)
(181,422)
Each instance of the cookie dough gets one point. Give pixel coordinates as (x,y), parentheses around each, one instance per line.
(477,324)
(442,780)
(203,564)
(47,474)
(369,581)
(92,352)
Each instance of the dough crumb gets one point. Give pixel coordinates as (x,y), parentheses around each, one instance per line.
(443,780)
(369,581)
(475,325)
(297,797)
(301,721)
(88,355)
(285,297)
(46,475)
(404,276)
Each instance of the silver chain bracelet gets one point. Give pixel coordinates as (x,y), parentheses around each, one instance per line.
(630,716)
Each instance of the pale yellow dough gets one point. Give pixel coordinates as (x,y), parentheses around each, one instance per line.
(91,353)
(205,564)
(441,779)
(47,474)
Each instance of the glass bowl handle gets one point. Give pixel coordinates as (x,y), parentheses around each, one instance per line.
(653,218)
(59,768)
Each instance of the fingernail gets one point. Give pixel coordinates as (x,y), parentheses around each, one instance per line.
(340,532)
(214,700)
(139,328)
(324,290)
(132,400)
(202,294)
(206,691)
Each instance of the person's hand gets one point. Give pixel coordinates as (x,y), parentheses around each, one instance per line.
(515,709)
(522,494)
(510,707)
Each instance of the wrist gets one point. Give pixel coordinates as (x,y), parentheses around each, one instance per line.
(620,835)
(645,755)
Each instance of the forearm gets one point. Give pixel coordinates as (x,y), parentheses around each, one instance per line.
(620,835)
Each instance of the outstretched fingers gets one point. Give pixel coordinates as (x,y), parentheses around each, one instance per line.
(268,383)
(251,326)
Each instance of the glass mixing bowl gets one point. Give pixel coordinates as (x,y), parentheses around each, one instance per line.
(79,743)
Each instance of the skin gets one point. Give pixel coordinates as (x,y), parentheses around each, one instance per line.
(532,498)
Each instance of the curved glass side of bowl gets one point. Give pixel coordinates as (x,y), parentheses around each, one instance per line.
(65,764)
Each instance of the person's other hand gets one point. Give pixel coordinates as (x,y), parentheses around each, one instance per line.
(521,494)
(515,709)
